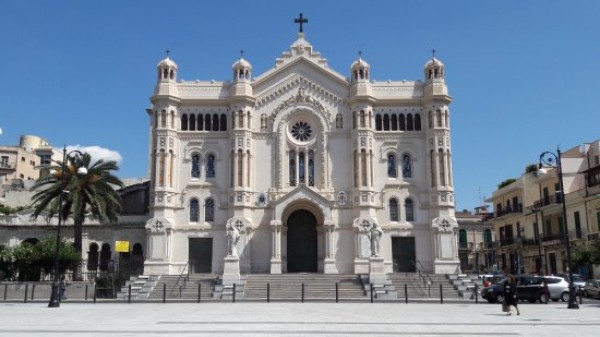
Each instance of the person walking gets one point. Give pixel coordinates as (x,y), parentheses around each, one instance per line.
(510,295)
(62,289)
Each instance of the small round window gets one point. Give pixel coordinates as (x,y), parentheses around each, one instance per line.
(301,131)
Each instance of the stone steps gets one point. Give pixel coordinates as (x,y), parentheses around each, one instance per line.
(316,286)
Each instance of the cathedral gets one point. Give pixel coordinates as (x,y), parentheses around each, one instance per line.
(302,163)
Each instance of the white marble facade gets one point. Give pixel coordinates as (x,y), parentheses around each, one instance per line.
(303,160)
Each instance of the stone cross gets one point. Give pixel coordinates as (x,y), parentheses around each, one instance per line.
(300,21)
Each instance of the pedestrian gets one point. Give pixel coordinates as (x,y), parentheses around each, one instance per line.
(510,295)
(62,289)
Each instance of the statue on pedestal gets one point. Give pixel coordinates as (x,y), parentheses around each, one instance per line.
(233,237)
(375,234)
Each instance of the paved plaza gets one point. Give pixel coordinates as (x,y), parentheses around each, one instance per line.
(296,319)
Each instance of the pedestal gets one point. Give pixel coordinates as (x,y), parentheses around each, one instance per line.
(275,266)
(377,274)
(231,271)
(329,267)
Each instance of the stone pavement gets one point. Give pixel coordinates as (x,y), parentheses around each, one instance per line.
(297,319)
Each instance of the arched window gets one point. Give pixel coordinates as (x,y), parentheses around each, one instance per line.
(438,118)
(311,168)
(240,168)
(172,119)
(394,122)
(301,168)
(339,121)
(409,210)
(92,259)
(195,165)
(394,215)
(362,118)
(354,120)
(171,74)
(240,119)
(406,166)
(105,255)
(386,122)
(184,122)
(292,165)
(446,119)
(223,122)
(391,166)
(161,168)
(430,120)
(194,210)
(487,238)
(462,238)
(442,167)
(215,122)
(210,166)
(378,123)
(417,122)
(163,119)
(402,122)
(209,210)
(193,122)
(165,73)
(409,122)
(207,124)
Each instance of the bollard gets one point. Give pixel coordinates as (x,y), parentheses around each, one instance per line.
(94,293)
(86,292)
(580,292)
(199,292)
(233,298)
(5,291)
(302,292)
(371,292)
(129,294)
(405,293)
(476,295)
(337,296)
(441,295)
(26,291)
(164,293)
(429,290)
(268,293)
(32,291)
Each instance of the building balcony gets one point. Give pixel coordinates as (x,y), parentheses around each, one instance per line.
(507,242)
(509,210)
(547,201)
(593,176)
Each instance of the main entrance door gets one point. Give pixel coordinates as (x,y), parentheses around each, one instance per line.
(301,242)
(200,255)
(403,254)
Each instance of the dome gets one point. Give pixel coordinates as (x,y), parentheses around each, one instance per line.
(433,62)
(167,63)
(241,63)
(360,63)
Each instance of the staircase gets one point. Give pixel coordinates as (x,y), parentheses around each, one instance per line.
(184,288)
(288,287)
(141,287)
(465,284)
(419,287)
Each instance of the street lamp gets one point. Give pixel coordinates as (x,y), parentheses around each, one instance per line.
(548,158)
(72,155)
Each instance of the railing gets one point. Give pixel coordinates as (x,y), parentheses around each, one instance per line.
(427,280)
(549,200)
(507,242)
(509,210)
(183,277)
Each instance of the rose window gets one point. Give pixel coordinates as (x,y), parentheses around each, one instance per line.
(301,131)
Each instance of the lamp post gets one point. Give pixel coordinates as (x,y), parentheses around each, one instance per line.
(548,158)
(54,296)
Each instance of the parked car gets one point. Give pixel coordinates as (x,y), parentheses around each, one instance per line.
(558,288)
(592,288)
(578,281)
(529,288)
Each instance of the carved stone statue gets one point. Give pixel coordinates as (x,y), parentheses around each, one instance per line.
(375,235)
(233,237)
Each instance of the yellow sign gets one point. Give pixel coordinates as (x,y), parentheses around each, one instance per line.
(122,246)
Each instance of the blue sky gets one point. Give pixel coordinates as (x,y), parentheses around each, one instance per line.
(523,74)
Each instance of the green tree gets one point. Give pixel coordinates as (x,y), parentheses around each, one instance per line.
(91,194)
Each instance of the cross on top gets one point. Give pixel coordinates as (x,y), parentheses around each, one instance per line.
(167,51)
(433,53)
(300,21)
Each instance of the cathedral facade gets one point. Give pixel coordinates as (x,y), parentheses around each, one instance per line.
(303,162)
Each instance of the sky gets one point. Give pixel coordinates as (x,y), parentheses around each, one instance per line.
(522,74)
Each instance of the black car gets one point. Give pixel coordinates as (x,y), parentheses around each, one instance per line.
(529,288)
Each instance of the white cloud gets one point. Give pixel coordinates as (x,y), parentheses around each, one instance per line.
(97,152)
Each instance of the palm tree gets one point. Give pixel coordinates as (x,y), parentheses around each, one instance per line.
(82,194)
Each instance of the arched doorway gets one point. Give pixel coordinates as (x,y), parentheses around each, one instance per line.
(301,242)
